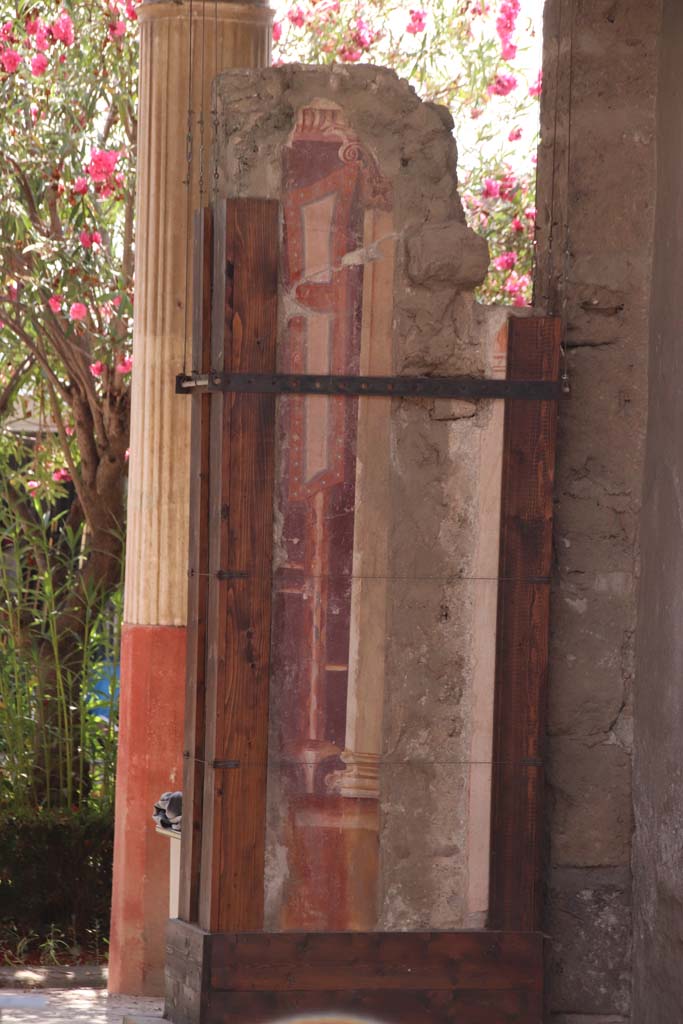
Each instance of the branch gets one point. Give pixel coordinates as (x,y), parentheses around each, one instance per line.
(39,356)
(8,392)
(25,186)
(59,422)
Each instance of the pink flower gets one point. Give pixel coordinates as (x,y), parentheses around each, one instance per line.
(296,16)
(38,64)
(364,35)
(505,261)
(31,26)
(97,368)
(42,37)
(102,163)
(508,51)
(530,213)
(515,135)
(476,112)
(80,186)
(417,23)
(116,302)
(62,28)
(516,224)
(502,85)
(125,366)
(117,29)
(10,61)
(130,11)
(349,55)
(6,30)
(77,311)
(508,184)
(55,303)
(85,239)
(537,87)
(519,300)
(33,110)
(491,188)
(32,485)
(277,31)
(516,283)
(96,239)
(61,476)
(69,431)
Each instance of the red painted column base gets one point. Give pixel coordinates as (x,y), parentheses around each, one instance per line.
(149,762)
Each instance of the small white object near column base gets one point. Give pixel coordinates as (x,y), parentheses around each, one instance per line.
(174,869)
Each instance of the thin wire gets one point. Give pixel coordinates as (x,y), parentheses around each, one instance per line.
(530,762)
(385,579)
(188,186)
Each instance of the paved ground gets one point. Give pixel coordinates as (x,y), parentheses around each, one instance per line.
(72,1006)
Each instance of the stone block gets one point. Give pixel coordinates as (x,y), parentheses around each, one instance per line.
(448,253)
(588,916)
(591,811)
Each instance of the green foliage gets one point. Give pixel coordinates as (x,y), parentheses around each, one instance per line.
(72,723)
(68,85)
(55,883)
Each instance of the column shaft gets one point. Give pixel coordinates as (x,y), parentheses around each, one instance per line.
(224,35)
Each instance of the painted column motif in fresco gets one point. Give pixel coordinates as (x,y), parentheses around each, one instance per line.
(335,204)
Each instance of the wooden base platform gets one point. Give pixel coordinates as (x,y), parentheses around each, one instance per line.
(467,977)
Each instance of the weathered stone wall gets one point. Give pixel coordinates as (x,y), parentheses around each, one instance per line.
(658,755)
(595,200)
(415,558)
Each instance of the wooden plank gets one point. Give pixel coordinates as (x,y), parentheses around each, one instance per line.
(405,1007)
(193,772)
(240,549)
(471,977)
(522,632)
(376,960)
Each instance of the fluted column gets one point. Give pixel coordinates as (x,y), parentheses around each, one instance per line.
(224,35)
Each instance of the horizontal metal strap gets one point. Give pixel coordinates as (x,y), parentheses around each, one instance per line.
(381,387)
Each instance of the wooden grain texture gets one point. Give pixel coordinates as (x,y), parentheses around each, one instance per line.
(240,549)
(405,1007)
(193,753)
(522,632)
(375,960)
(471,977)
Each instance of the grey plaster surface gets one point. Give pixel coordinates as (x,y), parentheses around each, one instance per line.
(75,1006)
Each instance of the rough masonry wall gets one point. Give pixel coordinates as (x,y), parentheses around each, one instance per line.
(303,135)
(658,760)
(595,201)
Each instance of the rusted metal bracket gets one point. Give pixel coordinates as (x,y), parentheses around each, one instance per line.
(380,387)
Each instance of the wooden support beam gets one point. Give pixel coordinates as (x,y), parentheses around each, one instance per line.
(472,977)
(522,631)
(242,467)
(193,767)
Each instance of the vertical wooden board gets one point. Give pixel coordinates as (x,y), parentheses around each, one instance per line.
(522,631)
(193,773)
(241,553)
(219,505)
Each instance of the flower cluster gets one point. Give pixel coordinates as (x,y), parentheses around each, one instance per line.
(479,74)
(34,40)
